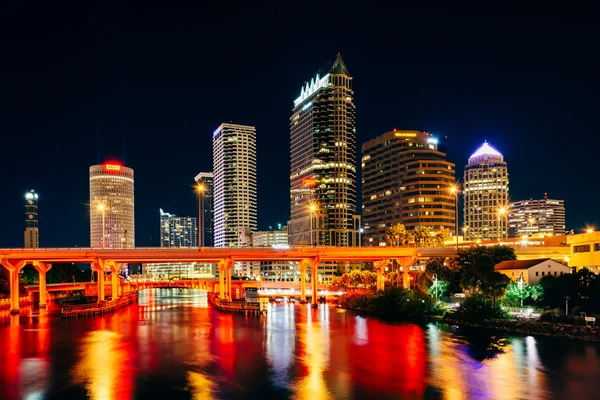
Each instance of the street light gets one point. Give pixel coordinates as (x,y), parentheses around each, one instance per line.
(521,287)
(435,282)
(501,212)
(454,191)
(101,208)
(200,189)
(312,208)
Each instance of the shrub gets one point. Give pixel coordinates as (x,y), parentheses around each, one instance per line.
(477,308)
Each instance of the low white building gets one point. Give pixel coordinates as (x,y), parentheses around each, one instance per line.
(532,270)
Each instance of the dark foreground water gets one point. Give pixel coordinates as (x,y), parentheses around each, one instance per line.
(172,345)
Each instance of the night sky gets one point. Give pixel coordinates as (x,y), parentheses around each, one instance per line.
(79,82)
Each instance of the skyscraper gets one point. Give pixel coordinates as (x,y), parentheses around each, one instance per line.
(323,162)
(234,169)
(405,179)
(178,231)
(32,235)
(536,217)
(286,271)
(486,195)
(205,208)
(111,207)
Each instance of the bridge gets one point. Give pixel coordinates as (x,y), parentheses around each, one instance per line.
(308,257)
(102,260)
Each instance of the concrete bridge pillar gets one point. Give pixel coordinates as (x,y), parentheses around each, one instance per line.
(380,268)
(99,266)
(314,281)
(303,265)
(114,278)
(13,268)
(405,263)
(225,267)
(42,269)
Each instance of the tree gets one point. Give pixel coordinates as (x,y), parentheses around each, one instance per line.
(396,235)
(441,290)
(4,282)
(61,273)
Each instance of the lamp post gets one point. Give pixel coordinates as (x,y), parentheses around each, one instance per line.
(465,229)
(501,212)
(435,282)
(101,208)
(200,188)
(312,208)
(454,191)
(567,306)
(521,287)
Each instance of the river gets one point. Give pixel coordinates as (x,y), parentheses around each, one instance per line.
(172,345)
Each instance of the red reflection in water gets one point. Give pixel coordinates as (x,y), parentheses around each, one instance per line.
(224,345)
(393,361)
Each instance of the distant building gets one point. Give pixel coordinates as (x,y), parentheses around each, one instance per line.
(183,270)
(32,234)
(405,179)
(112,222)
(532,271)
(485,195)
(536,217)
(284,271)
(206,209)
(178,231)
(234,170)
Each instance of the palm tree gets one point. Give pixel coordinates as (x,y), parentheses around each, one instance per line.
(396,235)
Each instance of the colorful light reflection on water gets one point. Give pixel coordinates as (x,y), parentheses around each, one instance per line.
(173,345)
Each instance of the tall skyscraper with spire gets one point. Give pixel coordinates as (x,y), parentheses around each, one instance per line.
(486,195)
(323,162)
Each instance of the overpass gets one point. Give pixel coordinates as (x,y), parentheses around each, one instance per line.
(102,260)
(306,256)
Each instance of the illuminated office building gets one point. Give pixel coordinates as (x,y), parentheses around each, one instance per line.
(486,195)
(405,179)
(323,161)
(234,172)
(536,217)
(206,214)
(111,207)
(178,231)
(32,234)
(323,164)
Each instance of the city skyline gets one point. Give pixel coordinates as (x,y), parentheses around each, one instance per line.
(467,104)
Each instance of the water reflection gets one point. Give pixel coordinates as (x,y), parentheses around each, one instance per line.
(172,345)
(105,366)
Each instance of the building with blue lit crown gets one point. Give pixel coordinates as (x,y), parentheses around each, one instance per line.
(486,195)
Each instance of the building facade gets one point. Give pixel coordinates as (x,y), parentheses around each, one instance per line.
(323,162)
(178,231)
(32,233)
(112,223)
(405,179)
(485,195)
(531,272)
(281,271)
(536,217)
(235,197)
(585,251)
(206,224)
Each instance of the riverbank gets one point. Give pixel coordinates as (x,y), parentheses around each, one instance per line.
(93,309)
(590,333)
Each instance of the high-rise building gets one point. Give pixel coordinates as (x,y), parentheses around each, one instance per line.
(405,179)
(32,235)
(206,223)
(286,271)
(178,231)
(234,169)
(323,162)
(536,217)
(486,195)
(111,207)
